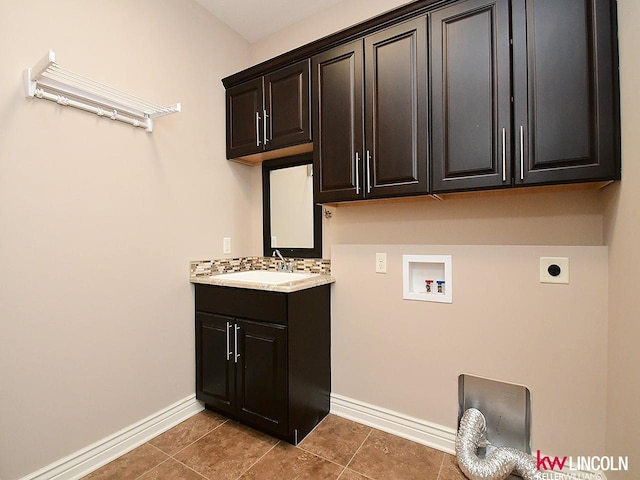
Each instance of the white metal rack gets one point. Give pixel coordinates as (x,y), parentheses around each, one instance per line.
(50,81)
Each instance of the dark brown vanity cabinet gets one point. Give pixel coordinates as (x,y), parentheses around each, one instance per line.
(269,112)
(370,115)
(264,357)
(523,93)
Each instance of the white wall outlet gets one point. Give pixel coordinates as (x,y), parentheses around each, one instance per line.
(226,245)
(381,263)
(554,270)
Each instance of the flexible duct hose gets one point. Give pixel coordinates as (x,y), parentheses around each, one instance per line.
(499,464)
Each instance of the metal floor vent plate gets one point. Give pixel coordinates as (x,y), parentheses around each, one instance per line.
(505,406)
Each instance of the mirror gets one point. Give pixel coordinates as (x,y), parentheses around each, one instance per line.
(292,223)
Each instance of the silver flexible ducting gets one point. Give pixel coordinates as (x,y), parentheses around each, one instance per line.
(498,464)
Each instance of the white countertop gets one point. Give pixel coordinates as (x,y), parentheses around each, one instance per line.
(287,287)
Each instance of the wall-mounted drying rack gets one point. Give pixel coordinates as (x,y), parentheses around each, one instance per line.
(50,81)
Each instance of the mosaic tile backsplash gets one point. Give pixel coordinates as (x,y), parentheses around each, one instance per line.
(205,268)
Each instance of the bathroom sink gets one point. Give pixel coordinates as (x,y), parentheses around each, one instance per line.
(269,277)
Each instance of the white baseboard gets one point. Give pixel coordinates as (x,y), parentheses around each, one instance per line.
(84,461)
(415,429)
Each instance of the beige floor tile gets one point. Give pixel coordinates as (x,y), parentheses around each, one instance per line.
(226,452)
(131,465)
(387,457)
(288,462)
(336,439)
(351,475)
(187,432)
(450,469)
(171,470)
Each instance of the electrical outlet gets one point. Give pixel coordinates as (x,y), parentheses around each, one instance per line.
(554,270)
(226,245)
(381,263)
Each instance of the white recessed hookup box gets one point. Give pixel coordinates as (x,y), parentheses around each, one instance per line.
(427,278)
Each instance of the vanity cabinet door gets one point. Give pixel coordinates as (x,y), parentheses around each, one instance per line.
(337,119)
(471,98)
(262,374)
(215,379)
(564,103)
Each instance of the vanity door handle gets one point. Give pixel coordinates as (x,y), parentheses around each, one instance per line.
(521,152)
(264,127)
(235,343)
(368,172)
(229,352)
(257,129)
(357,174)
(504,155)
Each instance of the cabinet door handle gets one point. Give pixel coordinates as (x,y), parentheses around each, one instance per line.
(521,152)
(235,344)
(357,174)
(257,129)
(504,154)
(264,127)
(229,352)
(368,172)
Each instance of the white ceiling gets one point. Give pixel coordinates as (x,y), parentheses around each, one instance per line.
(257,19)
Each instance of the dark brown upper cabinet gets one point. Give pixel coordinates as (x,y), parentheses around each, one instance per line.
(471,96)
(539,111)
(563,89)
(269,113)
(337,118)
(442,96)
(370,115)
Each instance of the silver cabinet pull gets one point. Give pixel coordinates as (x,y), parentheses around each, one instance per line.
(229,352)
(257,129)
(521,152)
(235,343)
(504,155)
(357,174)
(264,129)
(368,172)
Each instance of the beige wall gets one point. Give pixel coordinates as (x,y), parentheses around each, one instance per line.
(406,355)
(622,234)
(98,221)
(509,218)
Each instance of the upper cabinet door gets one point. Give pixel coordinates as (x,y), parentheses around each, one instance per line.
(244,119)
(471,97)
(337,120)
(396,110)
(287,106)
(565,127)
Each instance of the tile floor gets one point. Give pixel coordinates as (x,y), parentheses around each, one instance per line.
(210,446)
